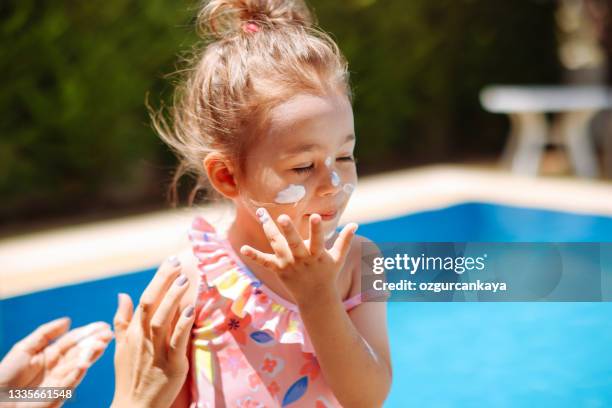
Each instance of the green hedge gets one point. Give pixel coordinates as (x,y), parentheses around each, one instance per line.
(75,135)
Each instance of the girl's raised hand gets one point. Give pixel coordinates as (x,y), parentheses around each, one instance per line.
(151,344)
(306,268)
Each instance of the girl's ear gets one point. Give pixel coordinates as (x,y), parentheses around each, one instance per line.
(221,175)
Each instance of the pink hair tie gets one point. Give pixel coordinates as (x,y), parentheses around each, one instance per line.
(250,27)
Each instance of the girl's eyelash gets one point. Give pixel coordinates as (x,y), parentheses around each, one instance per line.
(301,170)
(346,158)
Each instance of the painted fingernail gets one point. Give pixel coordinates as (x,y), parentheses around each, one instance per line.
(189,311)
(181,280)
(262,214)
(174,261)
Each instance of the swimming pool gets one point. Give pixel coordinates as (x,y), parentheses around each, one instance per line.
(444,354)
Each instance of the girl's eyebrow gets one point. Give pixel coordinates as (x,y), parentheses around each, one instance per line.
(312,146)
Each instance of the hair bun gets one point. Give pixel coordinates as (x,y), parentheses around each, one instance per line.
(226,17)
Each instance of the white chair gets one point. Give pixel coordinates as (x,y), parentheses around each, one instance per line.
(527,106)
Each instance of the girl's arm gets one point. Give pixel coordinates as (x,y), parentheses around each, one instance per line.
(353,352)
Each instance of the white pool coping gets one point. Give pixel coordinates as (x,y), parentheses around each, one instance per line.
(75,254)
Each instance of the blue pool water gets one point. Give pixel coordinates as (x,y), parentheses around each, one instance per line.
(444,354)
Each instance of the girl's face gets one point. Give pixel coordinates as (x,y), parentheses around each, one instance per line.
(305,164)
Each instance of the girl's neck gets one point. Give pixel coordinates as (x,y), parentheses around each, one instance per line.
(246,230)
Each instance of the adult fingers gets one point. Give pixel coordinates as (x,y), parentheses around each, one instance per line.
(123,315)
(262,258)
(152,295)
(317,240)
(83,355)
(277,240)
(164,315)
(73,338)
(294,240)
(182,330)
(40,338)
(74,377)
(93,350)
(342,245)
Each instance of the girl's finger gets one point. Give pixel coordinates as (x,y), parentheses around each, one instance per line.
(277,240)
(123,316)
(153,294)
(317,240)
(161,321)
(182,330)
(263,259)
(294,240)
(40,338)
(342,245)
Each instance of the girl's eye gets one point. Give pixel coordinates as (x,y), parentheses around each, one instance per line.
(346,158)
(301,170)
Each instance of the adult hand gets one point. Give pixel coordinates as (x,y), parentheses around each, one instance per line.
(151,344)
(34,362)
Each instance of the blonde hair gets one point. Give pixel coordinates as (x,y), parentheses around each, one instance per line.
(257,55)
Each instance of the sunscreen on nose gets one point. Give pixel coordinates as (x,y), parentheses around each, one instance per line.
(335,179)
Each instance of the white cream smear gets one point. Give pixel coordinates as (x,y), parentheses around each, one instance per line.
(86,350)
(335,179)
(348,188)
(328,161)
(292,194)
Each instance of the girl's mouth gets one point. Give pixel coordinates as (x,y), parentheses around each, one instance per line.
(330,215)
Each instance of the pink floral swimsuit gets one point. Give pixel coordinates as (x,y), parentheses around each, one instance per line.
(249,346)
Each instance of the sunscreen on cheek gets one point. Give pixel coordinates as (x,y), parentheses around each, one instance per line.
(292,194)
(348,188)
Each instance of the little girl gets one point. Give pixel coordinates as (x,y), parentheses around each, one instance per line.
(265,116)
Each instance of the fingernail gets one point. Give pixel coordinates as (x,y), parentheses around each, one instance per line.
(174,261)
(181,280)
(189,311)
(263,215)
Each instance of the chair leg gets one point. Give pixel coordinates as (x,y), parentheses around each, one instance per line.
(574,127)
(527,141)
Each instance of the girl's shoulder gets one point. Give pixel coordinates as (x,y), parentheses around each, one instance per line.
(358,261)
(353,263)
